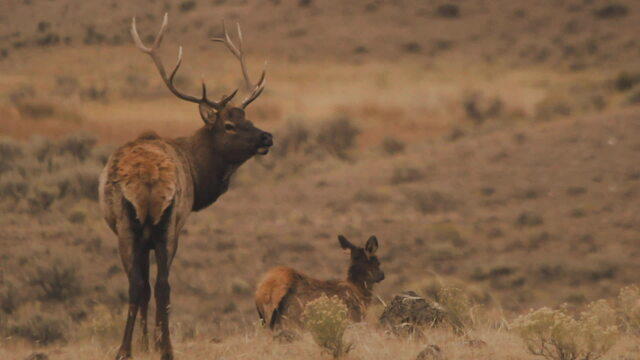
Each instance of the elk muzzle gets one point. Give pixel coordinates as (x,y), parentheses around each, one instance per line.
(266,141)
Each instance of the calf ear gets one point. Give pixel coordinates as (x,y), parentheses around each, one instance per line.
(207,113)
(372,245)
(345,244)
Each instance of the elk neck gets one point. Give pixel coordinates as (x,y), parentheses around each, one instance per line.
(211,172)
(356,279)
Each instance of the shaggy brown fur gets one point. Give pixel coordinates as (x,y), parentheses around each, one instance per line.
(284,292)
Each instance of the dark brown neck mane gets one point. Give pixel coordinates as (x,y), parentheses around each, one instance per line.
(357,279)
(210,171)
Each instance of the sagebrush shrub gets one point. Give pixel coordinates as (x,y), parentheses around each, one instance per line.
(56,281)
(8,298)
(458,307)
(327,319)
(41,329)
(629,308)
(338,136)
(554,334)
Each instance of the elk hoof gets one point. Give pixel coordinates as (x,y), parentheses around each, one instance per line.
(123,355)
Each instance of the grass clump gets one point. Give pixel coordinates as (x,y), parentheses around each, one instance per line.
(556,335)
(326,319)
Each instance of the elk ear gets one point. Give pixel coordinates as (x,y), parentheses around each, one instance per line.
(345,244)
(372,245)
(208,114)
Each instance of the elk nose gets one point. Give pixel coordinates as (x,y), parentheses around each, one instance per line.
(266,139)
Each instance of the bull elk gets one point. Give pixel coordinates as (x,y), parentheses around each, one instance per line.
(150,185)
(284,292)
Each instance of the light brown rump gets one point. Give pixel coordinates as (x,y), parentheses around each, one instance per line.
(147,175)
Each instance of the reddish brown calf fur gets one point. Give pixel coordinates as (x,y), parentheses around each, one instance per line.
(284,292)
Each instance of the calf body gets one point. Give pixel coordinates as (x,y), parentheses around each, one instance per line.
(284,292)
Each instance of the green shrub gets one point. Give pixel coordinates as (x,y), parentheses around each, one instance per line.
(326,319)
(554,334)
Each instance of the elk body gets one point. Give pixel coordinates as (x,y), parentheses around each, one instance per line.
(149,187)
(284,292)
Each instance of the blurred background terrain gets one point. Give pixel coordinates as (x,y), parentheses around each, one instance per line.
(489,144)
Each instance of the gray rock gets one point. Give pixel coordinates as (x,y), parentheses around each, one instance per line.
(431,352)
(408,313)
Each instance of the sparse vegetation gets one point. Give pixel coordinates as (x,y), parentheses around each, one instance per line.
(452,158)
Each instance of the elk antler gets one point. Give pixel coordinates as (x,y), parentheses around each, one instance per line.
(169,80)
(256,89)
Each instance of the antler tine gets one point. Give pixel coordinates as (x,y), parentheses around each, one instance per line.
(257,90)
(163,74)
(238,52)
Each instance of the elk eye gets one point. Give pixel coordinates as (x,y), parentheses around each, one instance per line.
(229,126)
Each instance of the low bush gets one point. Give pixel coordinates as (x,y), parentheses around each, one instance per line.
(326,319)
(554,334)
(629,308)
(56,281)
(392,146)
(40,329)
(337,136)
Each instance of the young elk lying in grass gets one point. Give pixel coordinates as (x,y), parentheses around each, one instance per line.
(284,292)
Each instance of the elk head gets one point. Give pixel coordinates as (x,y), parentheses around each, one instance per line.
(226,126)
(365,267)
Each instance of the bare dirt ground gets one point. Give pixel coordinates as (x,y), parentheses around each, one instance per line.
(496,149)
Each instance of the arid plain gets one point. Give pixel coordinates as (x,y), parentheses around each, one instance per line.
(492,146)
